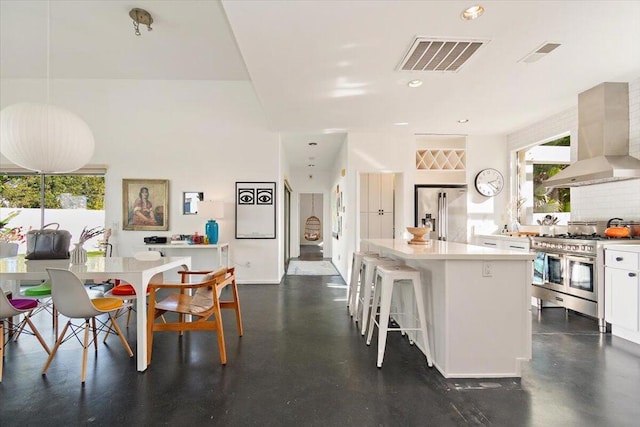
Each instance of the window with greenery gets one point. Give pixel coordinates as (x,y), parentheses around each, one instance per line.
(73,201)
(535,165)
(60,192)
(547,200)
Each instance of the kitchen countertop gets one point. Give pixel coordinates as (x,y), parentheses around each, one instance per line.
(627,248)
(442,250)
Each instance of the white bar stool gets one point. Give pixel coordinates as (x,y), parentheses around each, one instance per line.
(356,270)
(369,265)
(386,277)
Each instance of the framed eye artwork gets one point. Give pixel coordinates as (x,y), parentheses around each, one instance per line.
(255,210)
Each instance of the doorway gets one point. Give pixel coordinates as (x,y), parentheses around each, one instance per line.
(311,226)
(287,224)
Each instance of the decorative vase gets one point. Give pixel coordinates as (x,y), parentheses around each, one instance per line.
(211,230)
(78,254)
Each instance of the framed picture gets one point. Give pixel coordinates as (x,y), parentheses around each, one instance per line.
(255,210)
(145,204)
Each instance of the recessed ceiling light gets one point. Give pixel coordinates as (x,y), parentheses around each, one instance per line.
(401,123)
(313,143)
(415,83)
(463,121)
(472,13)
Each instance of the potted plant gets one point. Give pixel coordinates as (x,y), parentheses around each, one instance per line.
(10,237)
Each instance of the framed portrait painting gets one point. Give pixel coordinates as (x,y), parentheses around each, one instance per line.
(145,204)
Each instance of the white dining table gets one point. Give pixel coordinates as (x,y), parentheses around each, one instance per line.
(136,272)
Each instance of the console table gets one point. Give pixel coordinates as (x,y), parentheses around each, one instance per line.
(221,256)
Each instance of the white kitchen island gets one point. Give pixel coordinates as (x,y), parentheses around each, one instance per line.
(477,301)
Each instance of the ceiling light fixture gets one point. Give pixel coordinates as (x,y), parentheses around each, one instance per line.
(401,123)
(140,16)
(45,138)
(462,121)
(415,83)
(42,137)
(472,13)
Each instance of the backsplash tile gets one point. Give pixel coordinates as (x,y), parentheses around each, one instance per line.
(600,201)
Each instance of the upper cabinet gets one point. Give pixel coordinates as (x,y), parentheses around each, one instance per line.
(376,205)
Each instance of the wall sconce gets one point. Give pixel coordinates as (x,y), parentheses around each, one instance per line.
(141,16)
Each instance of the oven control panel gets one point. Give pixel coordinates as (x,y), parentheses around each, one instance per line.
(585,247)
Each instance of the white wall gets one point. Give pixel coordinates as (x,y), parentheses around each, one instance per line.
(200,135)
(382,153)
(486,214)
(599,201)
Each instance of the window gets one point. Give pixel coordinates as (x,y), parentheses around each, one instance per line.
(73,201)
(535,165)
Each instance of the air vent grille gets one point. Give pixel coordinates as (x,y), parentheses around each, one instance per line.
(540,52)
(439,55)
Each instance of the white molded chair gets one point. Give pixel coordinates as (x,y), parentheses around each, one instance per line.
(125,291)
(71,300)
(16,307)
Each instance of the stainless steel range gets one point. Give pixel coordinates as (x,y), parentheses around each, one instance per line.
(569,268)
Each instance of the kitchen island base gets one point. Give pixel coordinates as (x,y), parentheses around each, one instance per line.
(477,304)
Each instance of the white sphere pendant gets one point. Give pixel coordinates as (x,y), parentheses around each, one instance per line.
(45,138)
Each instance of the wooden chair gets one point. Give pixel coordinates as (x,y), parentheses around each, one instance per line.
(198,312)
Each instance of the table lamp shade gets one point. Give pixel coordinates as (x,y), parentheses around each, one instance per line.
(212,210)
(45,138)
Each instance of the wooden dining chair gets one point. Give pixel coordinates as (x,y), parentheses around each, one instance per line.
(198,312)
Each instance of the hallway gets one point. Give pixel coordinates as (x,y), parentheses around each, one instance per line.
(302,362)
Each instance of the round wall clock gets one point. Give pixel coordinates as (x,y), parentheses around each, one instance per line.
(489,182)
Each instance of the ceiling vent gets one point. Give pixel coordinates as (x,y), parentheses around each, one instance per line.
(428,54)
(540,52)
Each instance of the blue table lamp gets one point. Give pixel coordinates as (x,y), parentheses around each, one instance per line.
(213,210)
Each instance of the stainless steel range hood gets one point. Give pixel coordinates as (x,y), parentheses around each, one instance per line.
(603,139)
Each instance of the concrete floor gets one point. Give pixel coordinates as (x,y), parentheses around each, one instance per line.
(302,362)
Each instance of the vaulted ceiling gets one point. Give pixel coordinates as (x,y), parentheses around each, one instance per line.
(322,68)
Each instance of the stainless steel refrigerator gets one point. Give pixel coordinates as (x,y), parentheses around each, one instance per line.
(445,206)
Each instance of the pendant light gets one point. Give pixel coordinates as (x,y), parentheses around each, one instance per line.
(43,137)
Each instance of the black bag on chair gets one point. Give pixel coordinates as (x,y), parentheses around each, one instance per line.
(48,244)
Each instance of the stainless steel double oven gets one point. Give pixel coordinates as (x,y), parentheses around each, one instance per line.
(569,268)
(565,272)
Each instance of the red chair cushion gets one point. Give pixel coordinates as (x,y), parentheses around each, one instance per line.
(123,290)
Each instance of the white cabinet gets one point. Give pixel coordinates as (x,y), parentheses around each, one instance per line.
(506,242)
(622,291)
(376,206)
(488,241)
